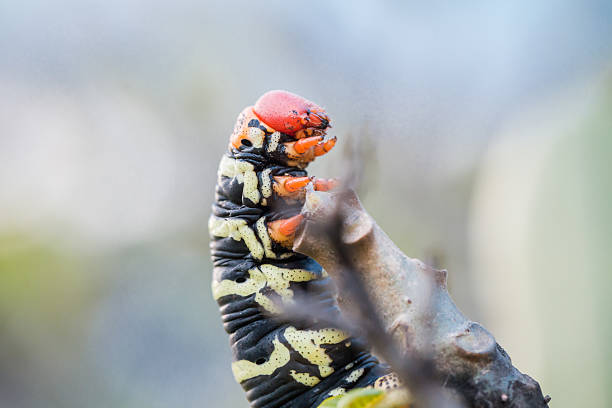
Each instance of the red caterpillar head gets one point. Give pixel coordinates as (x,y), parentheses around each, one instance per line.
(290,113)
(284,126)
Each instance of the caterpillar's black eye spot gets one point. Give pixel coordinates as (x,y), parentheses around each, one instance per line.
(241,279)
(246,142)
(260,361)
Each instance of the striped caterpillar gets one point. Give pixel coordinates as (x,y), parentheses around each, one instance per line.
(259,194)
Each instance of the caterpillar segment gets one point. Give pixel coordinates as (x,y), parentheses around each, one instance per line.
(259,194)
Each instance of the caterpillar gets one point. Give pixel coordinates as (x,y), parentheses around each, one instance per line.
(258,196)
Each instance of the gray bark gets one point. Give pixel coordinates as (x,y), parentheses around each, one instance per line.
(414,305)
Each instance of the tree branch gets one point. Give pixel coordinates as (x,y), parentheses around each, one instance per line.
(412,303)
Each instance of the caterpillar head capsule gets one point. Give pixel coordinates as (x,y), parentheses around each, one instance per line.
(283,127)
(291,114)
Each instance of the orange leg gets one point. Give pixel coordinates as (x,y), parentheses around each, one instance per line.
(306,143)
(322,148)
(325,184)
(282,231)
(294,184)
(287,186)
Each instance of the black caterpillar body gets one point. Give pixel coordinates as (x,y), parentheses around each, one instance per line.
(278,364)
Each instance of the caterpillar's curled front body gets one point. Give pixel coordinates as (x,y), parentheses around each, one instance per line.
(259,194)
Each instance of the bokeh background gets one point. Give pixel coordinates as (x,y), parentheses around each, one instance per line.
(487,128)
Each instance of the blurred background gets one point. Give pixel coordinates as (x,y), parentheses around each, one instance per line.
(488,131)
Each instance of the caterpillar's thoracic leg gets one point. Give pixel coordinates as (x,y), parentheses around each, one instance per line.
(283,230)
(304,144)
(322,148)
(293,184)
(302,149)
(325,184)
(289,186)
(308,148)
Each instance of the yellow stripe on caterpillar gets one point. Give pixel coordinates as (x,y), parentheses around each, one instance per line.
(266,183)
(337,391)
(248,287)
(264,237)
(354,375)
(388,382)
(305,378)
(237,229)
(253,284)
(256,136)
(273,143)
(245,369)
(277,279)
(308,344)
(244,173)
